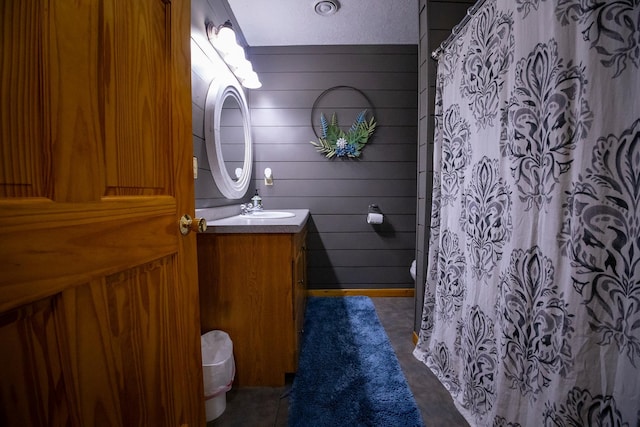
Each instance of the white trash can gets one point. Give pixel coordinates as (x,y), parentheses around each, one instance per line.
(218,369)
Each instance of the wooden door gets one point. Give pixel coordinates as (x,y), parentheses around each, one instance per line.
(99,315)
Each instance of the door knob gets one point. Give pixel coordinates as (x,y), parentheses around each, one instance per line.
(187,224)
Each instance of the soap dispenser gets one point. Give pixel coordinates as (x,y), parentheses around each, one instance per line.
(257,201)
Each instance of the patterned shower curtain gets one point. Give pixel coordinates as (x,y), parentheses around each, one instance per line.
(532,299)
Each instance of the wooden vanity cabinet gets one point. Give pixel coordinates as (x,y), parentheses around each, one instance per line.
(253,286)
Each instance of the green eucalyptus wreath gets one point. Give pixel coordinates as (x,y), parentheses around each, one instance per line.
(335,142)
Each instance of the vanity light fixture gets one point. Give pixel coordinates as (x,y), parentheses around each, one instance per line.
(223,39)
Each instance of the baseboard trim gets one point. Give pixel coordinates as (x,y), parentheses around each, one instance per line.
(389,292)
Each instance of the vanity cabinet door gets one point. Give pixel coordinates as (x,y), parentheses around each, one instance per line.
(299,292)
(252,286)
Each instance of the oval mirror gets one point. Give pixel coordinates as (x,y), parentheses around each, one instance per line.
(228,138)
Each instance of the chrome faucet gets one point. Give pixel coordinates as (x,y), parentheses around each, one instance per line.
(253,206)
(248,208)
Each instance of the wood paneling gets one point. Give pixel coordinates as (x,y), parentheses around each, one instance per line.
(286,80)
(364,258)
(373,293)
(338,191)
(303,99)
(328,60)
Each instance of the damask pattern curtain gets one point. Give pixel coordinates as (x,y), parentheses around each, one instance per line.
(532,298)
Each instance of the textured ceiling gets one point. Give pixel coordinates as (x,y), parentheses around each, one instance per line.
(357,22)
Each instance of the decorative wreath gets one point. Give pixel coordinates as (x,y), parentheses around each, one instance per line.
(335,142)
(332,140)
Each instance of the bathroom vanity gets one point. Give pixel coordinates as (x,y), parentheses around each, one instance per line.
(252,279)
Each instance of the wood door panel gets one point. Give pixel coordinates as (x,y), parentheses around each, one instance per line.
(74,109)
(118,353)
(31,381)
(120,346)
(22,130)
(139,101)
(45,254)
(246,291)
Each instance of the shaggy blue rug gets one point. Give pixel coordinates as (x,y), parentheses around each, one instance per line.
(348,373)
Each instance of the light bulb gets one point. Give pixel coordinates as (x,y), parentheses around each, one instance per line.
(251,81)
(226,37)
(237,60)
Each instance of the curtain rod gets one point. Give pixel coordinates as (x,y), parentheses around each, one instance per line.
(457,29)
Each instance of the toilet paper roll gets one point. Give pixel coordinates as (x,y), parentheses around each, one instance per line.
(375,218)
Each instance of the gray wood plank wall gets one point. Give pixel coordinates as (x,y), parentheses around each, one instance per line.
(437,18)
(344,252)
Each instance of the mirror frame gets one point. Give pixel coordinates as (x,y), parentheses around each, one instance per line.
(216,95)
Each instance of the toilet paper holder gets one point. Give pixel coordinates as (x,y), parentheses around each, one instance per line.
(375,216)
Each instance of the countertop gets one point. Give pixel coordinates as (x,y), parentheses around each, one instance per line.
(247,224)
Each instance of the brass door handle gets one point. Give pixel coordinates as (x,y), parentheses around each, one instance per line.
(187,224)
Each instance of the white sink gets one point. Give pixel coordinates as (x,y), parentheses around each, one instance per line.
(267,221)
(270,214)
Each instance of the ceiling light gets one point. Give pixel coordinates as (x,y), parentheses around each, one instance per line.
(326,7)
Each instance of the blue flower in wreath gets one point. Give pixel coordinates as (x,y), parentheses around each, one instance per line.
(335,142)
(344,148)
(348,150)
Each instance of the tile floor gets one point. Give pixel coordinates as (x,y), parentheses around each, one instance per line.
(267,406)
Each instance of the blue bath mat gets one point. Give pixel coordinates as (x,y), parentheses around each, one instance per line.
(348,373)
